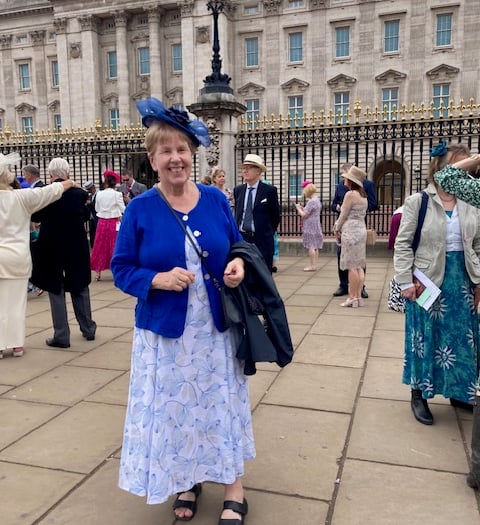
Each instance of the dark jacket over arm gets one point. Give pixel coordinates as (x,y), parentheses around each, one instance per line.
(258,296)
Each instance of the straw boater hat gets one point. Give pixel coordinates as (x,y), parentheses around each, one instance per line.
(356,175)
(254,160)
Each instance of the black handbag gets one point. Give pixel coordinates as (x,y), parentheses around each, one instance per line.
(231,311)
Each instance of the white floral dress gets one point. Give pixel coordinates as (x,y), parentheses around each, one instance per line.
(188,415)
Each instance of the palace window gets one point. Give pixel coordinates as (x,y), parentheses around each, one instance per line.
(253,112)
(55,77)
(390,102)
(295,47)
(441,97)
(341,105)
(342,42)
(177,64)
(114,118)
(24,76)
(27,125)
(144,61)
(443,33)
(391,43)
(57,122)
(112,71)
(251,52)
(295,110)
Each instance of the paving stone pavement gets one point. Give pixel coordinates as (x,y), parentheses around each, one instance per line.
(336,441)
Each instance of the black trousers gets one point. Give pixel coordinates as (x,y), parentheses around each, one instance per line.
(82,310)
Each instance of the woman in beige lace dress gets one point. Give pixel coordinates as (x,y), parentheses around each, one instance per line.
(350,226)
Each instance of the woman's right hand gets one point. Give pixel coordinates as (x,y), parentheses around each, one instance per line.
(176,280)
(410,293)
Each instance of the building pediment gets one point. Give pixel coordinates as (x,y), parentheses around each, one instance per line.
(54,105)
(109,97)
(174,96)
(25,108)
(295,85)
(251,89)
(443,71)
(341,82)
(141,93)
(391,75)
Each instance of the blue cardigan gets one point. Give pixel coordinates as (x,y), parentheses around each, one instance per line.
(150,241)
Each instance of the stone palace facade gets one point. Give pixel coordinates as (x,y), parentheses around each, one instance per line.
(69,64)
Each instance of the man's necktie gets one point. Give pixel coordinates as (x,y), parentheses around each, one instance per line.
(248,218)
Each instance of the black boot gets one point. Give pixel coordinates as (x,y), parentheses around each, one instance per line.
(420,408)
(473,478)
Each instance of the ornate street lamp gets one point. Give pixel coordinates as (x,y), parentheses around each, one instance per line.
(216,82)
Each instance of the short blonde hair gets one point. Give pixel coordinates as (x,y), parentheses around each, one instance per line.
(309,190)
(159,132)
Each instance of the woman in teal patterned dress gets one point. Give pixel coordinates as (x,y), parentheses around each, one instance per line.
(440,359)
(456,180)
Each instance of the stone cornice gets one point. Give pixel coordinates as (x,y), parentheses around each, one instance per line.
(250,88)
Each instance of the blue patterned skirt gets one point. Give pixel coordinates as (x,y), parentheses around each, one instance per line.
(442,350)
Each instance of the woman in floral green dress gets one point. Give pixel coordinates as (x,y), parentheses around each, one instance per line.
(456,180)
(438,359)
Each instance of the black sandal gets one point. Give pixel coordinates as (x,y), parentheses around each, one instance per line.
(240,508)
(185,504)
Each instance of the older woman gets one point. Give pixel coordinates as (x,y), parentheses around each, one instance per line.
(455,179)
(219,179)
(188,416)
(16,208)
(109,207)
(312,229)
(440,358)
(350,227)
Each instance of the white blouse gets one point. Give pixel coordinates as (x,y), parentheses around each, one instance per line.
(109,204)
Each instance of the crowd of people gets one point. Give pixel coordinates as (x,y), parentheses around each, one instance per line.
(171,248)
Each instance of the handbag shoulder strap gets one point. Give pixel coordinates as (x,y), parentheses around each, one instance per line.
(421,217)
(187,233)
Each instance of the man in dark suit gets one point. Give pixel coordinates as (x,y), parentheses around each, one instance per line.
(259,220)
(130,188)
(62,258)
(337,202)
(31,174)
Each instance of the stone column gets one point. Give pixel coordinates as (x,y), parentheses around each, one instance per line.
(41,81)
(64,77)
(156,81)
(188,50)
(9,116)
(91,80)
(122,65)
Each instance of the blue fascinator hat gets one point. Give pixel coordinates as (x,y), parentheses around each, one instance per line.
(439,150)
(151,110)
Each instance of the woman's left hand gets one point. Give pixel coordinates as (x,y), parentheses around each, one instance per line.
(234,273)
(476,296)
